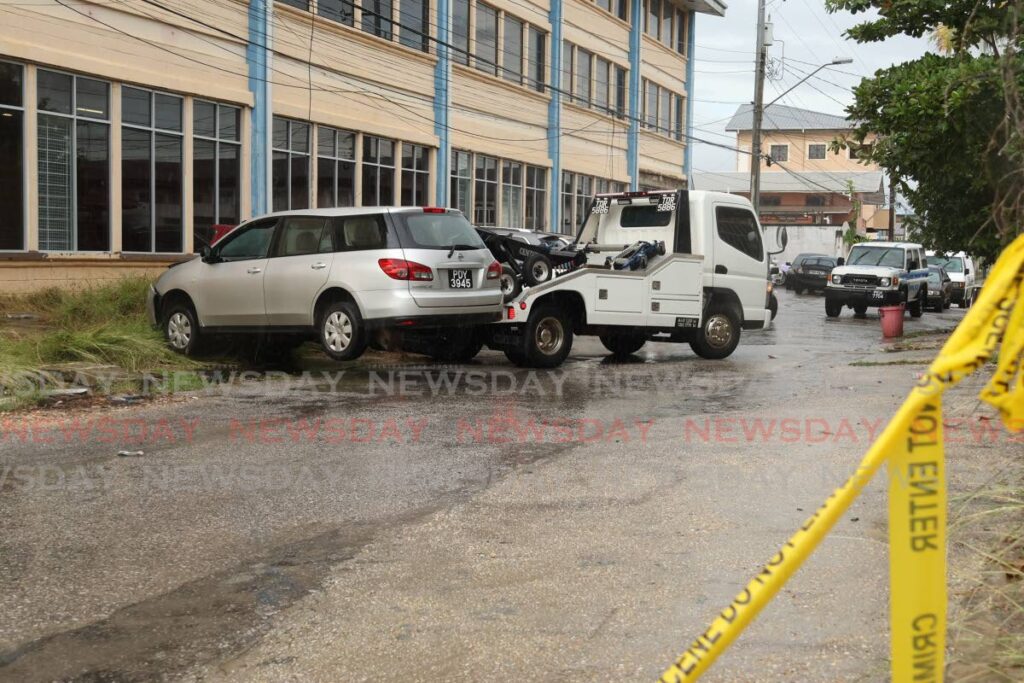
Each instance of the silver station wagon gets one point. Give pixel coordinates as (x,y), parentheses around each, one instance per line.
(345,276)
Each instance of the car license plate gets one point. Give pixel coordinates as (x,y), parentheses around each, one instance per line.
(816,272)
(460,279)
(877,294)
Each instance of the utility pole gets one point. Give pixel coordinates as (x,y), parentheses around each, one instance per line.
(758,111)
(892,208)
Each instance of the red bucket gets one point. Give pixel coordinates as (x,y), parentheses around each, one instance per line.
(892,321)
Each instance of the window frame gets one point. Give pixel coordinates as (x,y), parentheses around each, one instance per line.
(290,155)
(336,160)
(785,155)
(415,173)
(490,64)
(515,73)
(813,145)
(217,140)
(25,151)
(718,209)
(381,167)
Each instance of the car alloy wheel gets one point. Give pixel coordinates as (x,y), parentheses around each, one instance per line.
(179,331)
(338,331)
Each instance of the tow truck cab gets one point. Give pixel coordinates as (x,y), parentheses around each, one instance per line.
(718,226)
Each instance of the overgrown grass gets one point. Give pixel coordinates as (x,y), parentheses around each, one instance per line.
(101,325)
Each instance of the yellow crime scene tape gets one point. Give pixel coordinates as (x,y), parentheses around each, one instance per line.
(912,446)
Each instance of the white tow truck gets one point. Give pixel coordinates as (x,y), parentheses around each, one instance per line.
(688,266)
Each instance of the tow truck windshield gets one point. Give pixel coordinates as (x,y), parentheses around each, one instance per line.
(876,256)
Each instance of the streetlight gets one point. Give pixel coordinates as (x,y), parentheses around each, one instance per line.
(755,160)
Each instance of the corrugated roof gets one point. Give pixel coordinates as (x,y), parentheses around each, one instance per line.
(775,181)
(783,117)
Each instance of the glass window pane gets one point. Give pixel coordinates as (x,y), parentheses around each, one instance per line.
(653,18)
(512,55)
(535,66)
(55,204)
(229,122)
(325,146)
(299,182)
(54,91)
(412,23)
(346,183)
(460,31)
(346,145)
(583,61)
(12,181)
(204,189)
(280,182)
(371,175)
(280,133)
(204,117)
(601,83)
(301,4)
(325,171)
(666,23)
(386,153)
(567,80)
(136,189)
(665,114)
(300,137)
(168,187)
(377,17)
(92,177)
(10,84)
(92,98)
(230,190)
(486,38)
(370,145)
(338,10)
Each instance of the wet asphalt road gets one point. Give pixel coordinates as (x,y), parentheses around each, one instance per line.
(395,519)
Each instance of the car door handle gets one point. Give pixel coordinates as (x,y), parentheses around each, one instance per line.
(254,271)
(721,270)
(318,266)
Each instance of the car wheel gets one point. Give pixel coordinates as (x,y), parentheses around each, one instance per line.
(623,344)
(860,310)
(548,337)
(797,289)
(341,331)
(833,308)
(917,307)
(510,284)
(946,303)
(536,270)
(181,329)
(719,334)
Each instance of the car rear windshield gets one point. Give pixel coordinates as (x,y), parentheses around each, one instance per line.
(437,231)
(891,257)
(822,262)
(644,216)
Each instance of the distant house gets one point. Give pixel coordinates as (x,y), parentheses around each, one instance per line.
(806,183)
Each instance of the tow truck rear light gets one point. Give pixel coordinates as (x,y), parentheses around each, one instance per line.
(434,209)
(400,269)
(494,270)
(522,305)
(511,313)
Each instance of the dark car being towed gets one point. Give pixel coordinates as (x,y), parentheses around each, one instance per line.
(811,274)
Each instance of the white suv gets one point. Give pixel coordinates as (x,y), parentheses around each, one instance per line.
(336,274)
(960,268)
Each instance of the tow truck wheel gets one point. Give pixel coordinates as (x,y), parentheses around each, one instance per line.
(719,335)
(510,284)
(833,308)
(547,337)
(622,345)
(515,356)
(536,270)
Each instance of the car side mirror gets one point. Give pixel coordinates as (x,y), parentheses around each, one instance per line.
(207,255)
(840,261)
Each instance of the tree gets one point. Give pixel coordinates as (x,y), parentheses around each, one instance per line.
(945,123)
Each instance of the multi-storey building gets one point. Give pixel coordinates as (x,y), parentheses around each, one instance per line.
(129,129)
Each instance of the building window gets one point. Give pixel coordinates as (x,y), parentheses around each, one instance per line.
(677,131)
(337,10)
(861,151)
(460,31)
(568,186)
(620,91)
(301,4)
(12,162)
(651,105)
(511,194)
(485,190)
(290,165)
(486,38)
(152,149)
(815,200)
(779,152)
(664,111)
(654,18)
(413,30)
(461,181)
(73,144)
(619,8)
(568,82)
(583,87)
(535,65)
(584,191)
(680,31)
(536,198)
(667,13)
(377,18)
(602,68)
(512,50)
(816,151)
(415,175)
(216,172)
(335,168)
(771,200)
(378,171)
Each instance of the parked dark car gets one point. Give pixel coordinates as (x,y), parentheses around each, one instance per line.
(788,266)
(812,274)
(940,288)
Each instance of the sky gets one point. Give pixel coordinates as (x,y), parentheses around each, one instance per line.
(806,35)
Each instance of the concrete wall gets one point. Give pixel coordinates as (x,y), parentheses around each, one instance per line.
(798,142)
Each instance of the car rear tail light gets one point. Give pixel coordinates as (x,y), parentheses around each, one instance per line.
(400,269)
(511,313)
(433,209)
(494,270)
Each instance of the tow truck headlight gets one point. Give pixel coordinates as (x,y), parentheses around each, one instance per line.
(837,279)
(885,282)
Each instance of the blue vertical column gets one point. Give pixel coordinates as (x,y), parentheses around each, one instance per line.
(257,57)
(636,21)
(442,101)
(555,115)
(691,44)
